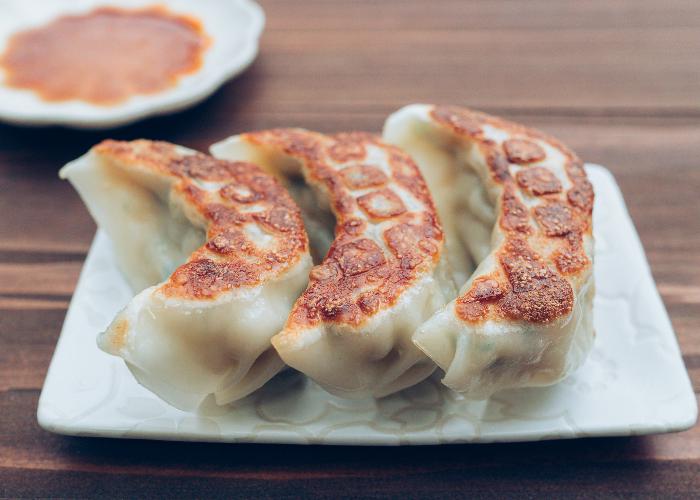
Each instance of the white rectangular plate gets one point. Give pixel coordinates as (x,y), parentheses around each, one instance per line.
(634,381)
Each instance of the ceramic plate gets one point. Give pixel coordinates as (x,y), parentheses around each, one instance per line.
(633,382)
(234,27)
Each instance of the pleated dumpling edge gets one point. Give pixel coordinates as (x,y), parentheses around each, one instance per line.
(217,252)
(517,206)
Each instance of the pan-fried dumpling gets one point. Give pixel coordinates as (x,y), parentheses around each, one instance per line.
(516,204)
(379,280)
(222,249)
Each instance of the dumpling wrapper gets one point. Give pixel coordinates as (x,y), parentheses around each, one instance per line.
(380,279)
(517,204)
(225,244)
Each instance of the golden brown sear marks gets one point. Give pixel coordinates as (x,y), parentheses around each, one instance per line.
(581,194)
(387,232)
(523,151)
(527,286)
(222,192)
(498,164)
(105,56)
(473,305)
(571,258)
(514,215)
(381,204)
(363,176)
(538,181)
(536,293)
(556,219)
(461,122)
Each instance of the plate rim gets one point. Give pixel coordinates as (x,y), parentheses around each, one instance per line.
(681,423)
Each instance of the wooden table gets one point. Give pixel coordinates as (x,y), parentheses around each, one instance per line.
(617,80)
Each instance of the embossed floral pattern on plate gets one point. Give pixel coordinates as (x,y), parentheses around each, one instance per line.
(88,392)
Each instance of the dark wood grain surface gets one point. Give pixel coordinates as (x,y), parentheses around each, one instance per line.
(619,81)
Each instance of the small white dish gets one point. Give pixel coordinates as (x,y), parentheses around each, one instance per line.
(234,27)
(634,381)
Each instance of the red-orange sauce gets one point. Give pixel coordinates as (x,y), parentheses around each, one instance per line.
(105,56)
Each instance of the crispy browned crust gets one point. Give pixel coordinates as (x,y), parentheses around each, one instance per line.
(364,272)
(527,286)
(229,259)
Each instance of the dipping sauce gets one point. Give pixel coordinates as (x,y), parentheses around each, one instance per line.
(105,56)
